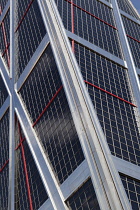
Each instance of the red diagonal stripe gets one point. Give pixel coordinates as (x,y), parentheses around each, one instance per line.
(132,38)
(4,166)
(91,14)
(110,93)
(25,13)
(47,106)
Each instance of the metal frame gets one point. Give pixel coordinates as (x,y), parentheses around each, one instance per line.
(89,130)
(90,133)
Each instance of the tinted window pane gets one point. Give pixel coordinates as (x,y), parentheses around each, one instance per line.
(84,198)
(132,188)
(46,103)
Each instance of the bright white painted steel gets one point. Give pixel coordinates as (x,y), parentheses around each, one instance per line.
(76,179)
(47,205)
(44,168)
(107,184)
(127,168)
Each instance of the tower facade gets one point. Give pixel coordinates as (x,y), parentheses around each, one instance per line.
(69,105)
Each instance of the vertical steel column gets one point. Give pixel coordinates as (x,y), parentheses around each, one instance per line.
(127,54)
(12,114)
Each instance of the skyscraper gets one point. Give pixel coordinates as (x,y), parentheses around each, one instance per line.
(69,105)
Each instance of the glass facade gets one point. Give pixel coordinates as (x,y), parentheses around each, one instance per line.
(29,190)
(125,6)
(132,188)
(133,38)
(3,92)
(63,161)
(5,38)
(109,91)
(51,117)
(84,198)
(4,160)
(93,21)
(29,32)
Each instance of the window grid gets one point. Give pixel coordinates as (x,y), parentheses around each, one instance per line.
(3,92)
(5,38)
(125,6)
(4,156)
(3,4)
(97,8)
(83,198)
(29,190)
(55,128)
(133,38)
(28,34)
(91,28)
(117,118)
(132,188)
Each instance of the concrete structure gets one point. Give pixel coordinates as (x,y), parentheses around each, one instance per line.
(69,105)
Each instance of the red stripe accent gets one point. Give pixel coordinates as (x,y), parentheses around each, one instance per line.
(4,166)
(133,38)
(111,94)
(25,169)
(5,40)
(20,144)
(19,24)
(47,106)
(91,14)
(72,20)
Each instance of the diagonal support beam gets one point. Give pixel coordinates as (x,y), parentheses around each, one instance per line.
(104,175)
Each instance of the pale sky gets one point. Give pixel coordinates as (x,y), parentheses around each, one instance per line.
(136,3)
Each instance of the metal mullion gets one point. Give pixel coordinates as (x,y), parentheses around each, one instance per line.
(96,49)
(102,169)
(127,168)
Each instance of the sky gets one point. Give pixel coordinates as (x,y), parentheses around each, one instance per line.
(136,3)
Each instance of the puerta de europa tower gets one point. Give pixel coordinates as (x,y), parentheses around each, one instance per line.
(69,105)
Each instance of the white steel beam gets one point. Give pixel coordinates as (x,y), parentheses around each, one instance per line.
(105,178)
